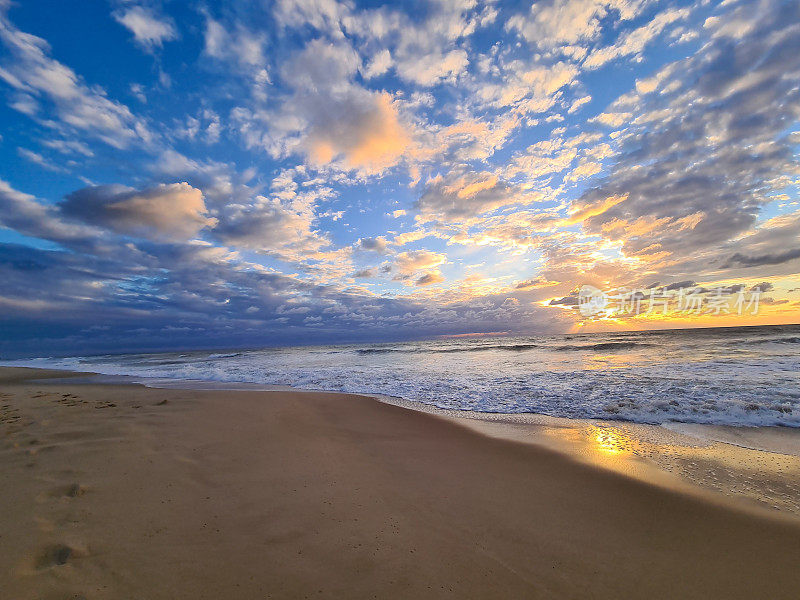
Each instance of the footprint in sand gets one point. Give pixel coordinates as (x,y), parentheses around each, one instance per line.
(62,492)
(73,490)
(54,556)
(71,400)
(9,414)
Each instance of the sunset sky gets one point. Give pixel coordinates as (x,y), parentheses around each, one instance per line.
(206,174)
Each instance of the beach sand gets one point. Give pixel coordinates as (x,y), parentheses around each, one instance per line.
(123,491)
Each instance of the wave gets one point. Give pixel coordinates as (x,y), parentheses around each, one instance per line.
(509,348)
(384,350)
(680,379)
(773,340)
(603,346)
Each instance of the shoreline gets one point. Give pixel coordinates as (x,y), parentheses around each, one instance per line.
(128,491)
(710,461)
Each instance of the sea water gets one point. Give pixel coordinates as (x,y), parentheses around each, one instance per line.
(729,376)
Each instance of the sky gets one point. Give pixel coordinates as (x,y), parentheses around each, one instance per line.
(181,174)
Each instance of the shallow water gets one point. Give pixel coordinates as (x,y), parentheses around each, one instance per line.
(724,376)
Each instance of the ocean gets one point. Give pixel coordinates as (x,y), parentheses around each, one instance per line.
(726,376)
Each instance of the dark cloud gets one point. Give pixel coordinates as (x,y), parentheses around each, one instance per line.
(429,279)
(152,294)
(175,211)
(569,300)
(681,285)
(764,259)
(25,214)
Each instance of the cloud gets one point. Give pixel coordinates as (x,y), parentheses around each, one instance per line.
(36,76)
(577,104)
(739,259)
(563,22)
(705,154)
(366,273)
(463,194)
(425,49)
(149,30)
(592,210)
(328,117)
(360,128)
(408,263)
(633,42)
(429,69)
(331,115)
(240,46)
(429,279)
(168,212)
(379,64)
(40,160)
(569,301)
(535,283)
(764,286)
(27,215)
(531,88)
(377,244)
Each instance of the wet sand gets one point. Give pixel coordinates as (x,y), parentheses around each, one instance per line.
(123,491)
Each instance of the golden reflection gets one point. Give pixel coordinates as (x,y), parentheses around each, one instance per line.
(611,441)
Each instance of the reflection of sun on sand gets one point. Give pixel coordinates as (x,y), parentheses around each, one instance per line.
(116,491)
(610,441)
(759,468)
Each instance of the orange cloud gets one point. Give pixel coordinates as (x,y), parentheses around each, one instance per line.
(592,210)
(370,139)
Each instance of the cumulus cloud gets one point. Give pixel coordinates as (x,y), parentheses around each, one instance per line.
(366,273)
(377,244)
(759,260)
(408,263)
(148,29)
(173,211)
(360,128)
(425,50)
(430,69)
(429,279)
(463,194)
(269,226)
(330,118)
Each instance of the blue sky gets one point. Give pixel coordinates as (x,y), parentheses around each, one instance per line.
(200,174)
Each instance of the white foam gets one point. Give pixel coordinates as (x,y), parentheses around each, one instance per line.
(644,378)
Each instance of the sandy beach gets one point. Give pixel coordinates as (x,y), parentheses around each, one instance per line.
(124,491)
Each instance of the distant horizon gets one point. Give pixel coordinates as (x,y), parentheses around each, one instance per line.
(495,335)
